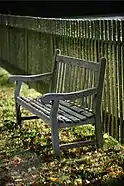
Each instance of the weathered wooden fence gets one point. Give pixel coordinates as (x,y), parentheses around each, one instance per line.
(27,44)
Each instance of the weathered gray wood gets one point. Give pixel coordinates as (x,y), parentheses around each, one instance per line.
(83,122)
(18,114)
(70,80)
(87,81)
(74,79)
(77,109)
(66,85)
(17,106)
(83,83)
(67,96)
(54,71)
(35,111)
(31,78)
(58,77)
(99,135)
(68,121)
(73,113)
(91,85)
(78,62)
(101,76)
(65,111)
(77,144)
(39,107)
(63,119)
(62,71)
(55,128)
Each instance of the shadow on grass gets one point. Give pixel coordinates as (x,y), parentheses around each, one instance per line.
(24,160)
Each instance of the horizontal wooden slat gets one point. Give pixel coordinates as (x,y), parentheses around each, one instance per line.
(32,110)
(77,109)
(84,122)
(65,114)
(78,62)
(35,105)
(78,144)
(64,117)
(61,118)
(73,113)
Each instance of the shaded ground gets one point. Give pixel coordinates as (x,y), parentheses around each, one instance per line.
(26,156)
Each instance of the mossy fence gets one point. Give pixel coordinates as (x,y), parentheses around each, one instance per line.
(27,45)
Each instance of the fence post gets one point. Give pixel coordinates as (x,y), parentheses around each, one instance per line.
(26,49)
(122,60)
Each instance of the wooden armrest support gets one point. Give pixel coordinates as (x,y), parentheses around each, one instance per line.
(25,78)
(46,98)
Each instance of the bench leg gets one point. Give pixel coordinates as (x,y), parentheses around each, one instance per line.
(98,130)
(55,139)
(18,114)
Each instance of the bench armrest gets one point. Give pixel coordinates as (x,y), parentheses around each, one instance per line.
(29,78)
(46,98)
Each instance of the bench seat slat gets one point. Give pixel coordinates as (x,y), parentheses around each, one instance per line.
(84,112)
(66,113)
(73,113)
(46,110)
(70,117)
(30,101)
(77,109)
(35,111)
(70,113)
(46,106)
(62,118)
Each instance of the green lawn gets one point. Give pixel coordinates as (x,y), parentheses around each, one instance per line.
(26,155)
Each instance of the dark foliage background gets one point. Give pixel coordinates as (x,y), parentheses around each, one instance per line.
(62,8)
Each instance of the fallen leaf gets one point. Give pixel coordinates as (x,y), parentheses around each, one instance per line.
(16,160)
(54,179)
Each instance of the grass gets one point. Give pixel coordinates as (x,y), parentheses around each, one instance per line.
(26,155)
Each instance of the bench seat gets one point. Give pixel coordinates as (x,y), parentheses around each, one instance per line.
(68,114)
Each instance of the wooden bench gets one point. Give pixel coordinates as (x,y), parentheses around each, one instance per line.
(74,99)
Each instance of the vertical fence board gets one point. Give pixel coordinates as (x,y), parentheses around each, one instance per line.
(122,61)
(115,79)
(119,65)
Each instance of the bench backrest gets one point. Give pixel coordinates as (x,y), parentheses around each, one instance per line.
(72,74)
